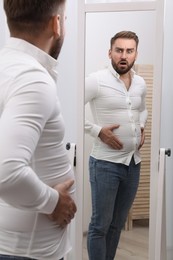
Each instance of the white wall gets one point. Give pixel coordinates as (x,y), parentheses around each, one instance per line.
(4,33)
(167,119)
(67,83)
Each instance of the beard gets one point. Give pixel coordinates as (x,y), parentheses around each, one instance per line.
(122,67)
(56,48)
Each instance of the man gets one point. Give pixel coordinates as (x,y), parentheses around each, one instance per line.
(117,100)
(36,179)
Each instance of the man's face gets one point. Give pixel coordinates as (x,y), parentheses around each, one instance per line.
(57,44)
(56,47)
(123,55)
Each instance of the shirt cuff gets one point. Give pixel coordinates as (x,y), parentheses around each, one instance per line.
(51,202)
(142,125)
(95,130)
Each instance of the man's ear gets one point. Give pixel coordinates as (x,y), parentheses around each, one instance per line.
(56,26)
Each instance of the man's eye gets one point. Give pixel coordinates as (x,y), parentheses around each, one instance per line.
(130,51)
(119,51)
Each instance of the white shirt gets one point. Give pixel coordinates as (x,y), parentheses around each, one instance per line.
(32,155)
(111,103)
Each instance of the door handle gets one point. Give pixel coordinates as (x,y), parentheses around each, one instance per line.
(168,152)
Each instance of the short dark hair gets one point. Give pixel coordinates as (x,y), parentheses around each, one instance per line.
(125,35)
(30,16)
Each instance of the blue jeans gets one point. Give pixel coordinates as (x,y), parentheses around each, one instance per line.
(113,189)
(11,257)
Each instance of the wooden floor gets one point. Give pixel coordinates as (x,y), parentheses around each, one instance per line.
(133,244)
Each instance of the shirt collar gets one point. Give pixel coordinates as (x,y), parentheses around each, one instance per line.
(115,74)
(49,63)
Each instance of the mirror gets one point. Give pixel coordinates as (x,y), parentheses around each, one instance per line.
(100,27)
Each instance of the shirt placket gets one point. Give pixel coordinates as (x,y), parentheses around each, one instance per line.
(131,119)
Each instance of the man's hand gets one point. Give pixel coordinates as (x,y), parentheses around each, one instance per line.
(142,138)
(108,137)
(65,209)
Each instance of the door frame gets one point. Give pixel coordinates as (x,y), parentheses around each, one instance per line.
(158,7)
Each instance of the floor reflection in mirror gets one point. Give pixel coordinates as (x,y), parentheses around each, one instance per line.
(133,244)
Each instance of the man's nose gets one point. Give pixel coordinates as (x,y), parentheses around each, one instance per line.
(124,54)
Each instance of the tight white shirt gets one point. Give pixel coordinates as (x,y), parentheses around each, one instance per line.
(111,103)
(32,155)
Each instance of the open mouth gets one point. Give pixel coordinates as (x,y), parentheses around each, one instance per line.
(123,63)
